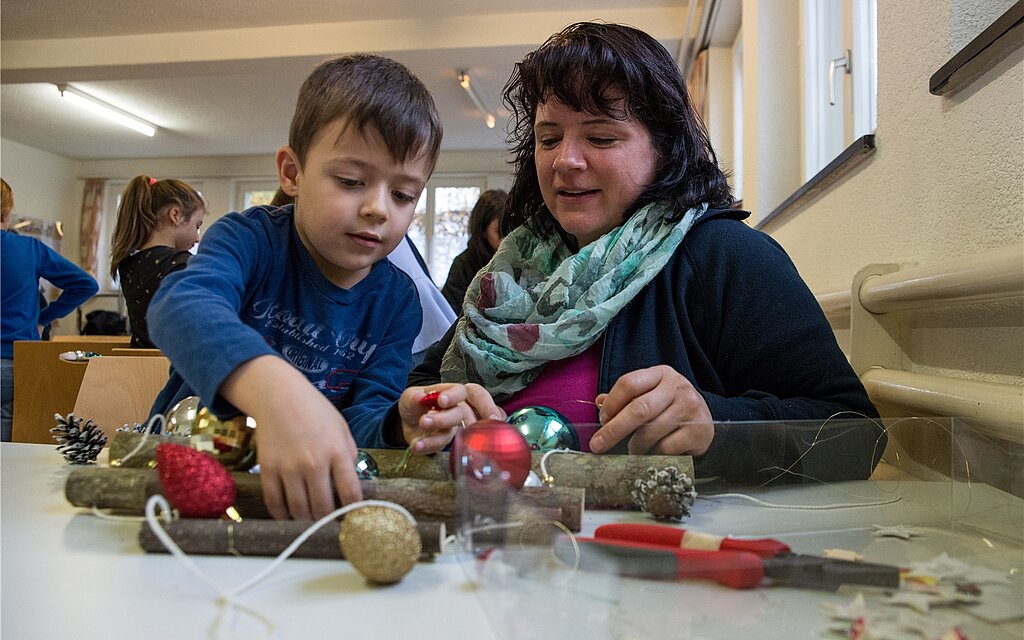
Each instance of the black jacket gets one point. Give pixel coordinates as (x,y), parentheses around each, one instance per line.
(464,268)
(730,313)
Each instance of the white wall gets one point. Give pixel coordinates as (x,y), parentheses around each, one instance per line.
(44,187)
(946,181)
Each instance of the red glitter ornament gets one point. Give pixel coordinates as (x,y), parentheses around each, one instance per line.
(194,482)
(497,443)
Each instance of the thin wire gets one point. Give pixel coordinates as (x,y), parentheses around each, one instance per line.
(576,553)
(884,432)
(817,435)
(953,440)
(462,536)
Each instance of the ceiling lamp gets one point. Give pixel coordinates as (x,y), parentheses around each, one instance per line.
(467,84)
(110,112)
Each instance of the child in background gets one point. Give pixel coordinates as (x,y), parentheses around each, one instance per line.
(23,260)
(157,223)
(292,315)
(484,238)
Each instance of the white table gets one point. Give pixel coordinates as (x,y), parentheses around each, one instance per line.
(68,574)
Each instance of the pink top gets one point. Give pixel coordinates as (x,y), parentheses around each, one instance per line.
(569,387)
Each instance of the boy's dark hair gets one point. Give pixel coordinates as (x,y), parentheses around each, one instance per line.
(583,66)
(368,91)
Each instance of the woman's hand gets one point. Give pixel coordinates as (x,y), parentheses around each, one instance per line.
(457,404)
(659,410)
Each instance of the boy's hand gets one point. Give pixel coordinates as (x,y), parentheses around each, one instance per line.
(430,430)
(303,444)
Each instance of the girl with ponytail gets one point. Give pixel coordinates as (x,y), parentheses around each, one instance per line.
(157,223)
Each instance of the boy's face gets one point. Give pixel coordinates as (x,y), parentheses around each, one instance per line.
(353,201)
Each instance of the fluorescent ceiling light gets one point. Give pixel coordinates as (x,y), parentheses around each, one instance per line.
(467,84)
(110,112)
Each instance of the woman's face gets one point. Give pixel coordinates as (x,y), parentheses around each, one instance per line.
(591,167)
(494,233)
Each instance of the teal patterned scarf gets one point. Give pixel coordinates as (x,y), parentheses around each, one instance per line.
(536,302)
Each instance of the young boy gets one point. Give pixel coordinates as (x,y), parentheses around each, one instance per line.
(292,315)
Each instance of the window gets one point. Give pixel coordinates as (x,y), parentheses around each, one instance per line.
(254,192)
(839,78)
(111,201)
(440,228)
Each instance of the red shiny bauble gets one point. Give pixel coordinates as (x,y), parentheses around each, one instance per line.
(492,447)
(193,481)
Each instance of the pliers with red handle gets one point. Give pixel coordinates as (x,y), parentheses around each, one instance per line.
(653,551)
(685,539)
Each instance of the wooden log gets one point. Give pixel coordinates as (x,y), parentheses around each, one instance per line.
(126,490)
(259,537)
(124,442)
(608,479)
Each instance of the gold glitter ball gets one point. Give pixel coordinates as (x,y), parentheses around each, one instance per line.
(381,543)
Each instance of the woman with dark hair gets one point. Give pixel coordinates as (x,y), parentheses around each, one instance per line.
(484,238)
(628,294)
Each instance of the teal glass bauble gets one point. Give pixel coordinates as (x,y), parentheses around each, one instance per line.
(545,429)
(366,466)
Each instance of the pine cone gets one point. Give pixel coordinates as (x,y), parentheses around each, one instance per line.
(665,494)
(79,443)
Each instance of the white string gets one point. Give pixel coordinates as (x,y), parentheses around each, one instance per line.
(145,434)
(544,460)
(110,516)
(810,507)
(227,597)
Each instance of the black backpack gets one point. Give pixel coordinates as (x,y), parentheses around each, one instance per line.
(105,323)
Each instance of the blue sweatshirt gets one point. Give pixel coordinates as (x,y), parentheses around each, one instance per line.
(23,260)
(253,289)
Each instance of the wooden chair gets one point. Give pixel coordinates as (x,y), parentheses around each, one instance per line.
(119,340)
(128,351)
(44,384)
(119,390)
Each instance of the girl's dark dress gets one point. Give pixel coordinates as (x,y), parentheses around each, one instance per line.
(140,275)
